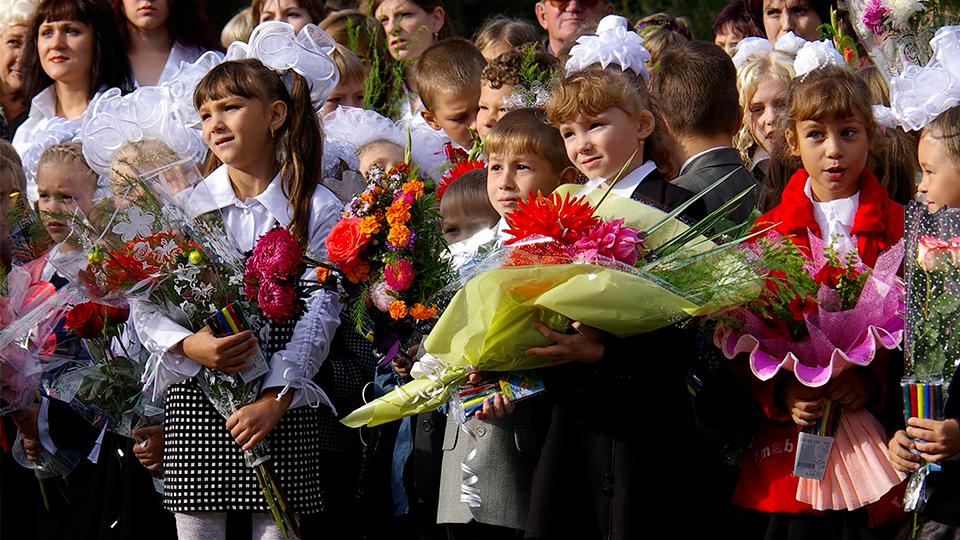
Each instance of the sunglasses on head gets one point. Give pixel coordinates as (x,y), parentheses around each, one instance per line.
(562,4)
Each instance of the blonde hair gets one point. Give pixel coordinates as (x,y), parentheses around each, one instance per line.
(447,67)
(238,28)
(70,153)
(512,32)
(775,65)
(591,91)
(350,66)
(526,131)
(468,195)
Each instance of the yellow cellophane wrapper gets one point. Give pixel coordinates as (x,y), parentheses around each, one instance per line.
(488,324)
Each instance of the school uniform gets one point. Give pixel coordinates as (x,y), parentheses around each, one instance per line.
(204,468)
(703,169)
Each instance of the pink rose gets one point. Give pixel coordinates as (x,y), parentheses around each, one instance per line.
(933,254)
(278,302)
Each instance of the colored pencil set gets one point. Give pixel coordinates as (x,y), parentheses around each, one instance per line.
(826,425)
(515,386)
(922,400)
(472,397)
(227,321)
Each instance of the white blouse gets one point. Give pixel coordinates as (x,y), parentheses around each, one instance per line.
(835,219)
(42,109)
(247,220)
(178,53)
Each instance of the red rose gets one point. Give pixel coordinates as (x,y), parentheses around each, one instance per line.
(86,319)
(829,275)
(277,253)
(801,306)
(279,302)
(345,241)
(116,315)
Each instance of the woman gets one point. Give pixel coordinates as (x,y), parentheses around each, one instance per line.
(13,29)
(71,54)
(159,34)
(296,13)
(802,17)
(412,26)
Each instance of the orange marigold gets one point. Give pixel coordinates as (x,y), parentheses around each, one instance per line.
(357,272)
(399,236)
(369,226)
(398,213)
(366,197)
(421,312)
(414,187)
(398,309)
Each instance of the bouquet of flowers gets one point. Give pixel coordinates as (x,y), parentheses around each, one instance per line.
(817,317)
(897,32)
(569,249)
(932,270)
(389,248)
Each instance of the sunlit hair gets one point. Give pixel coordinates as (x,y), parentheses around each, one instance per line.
(467,196)
(527,131)
(71,154)
(893,158)
(350,67)
(946,128)
(238,28)
(512,32)
(773,65)
(448,67)
(298,142)
(591,91)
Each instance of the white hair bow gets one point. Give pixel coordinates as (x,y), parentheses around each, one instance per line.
(920,94)
(815,55)
(614,43)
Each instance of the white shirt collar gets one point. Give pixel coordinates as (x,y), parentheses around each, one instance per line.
(220,195)
(628,184)
(683,168)
(44,104)
(835,218)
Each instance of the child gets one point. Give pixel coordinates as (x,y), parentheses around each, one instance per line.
(525,156)
(238,28)
(448,79)
(732,24)
(501,34)
(829,126)
(349,90)
(381,152)
(465,208)
(661,32)
(939,155)
(696,89)
(517,78)
(762,83)
(266,137)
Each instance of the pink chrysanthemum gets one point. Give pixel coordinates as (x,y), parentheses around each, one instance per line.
(399,274)
(611,240)
(278,301)
(276,253)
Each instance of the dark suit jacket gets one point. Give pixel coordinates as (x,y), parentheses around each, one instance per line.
(655,191)
(712,166)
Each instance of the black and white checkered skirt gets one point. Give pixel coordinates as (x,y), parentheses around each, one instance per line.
(204,469)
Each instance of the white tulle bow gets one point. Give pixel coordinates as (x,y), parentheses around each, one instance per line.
(614,43)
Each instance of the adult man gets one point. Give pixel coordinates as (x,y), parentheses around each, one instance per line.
(561,18)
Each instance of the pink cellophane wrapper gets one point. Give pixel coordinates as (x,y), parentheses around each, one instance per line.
(858,472)
(837,339)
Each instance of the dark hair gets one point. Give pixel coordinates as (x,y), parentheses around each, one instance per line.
(695,85)
(188,24)
(111,67)
(737,17)
(446,31)
(299,140)
(445,67)
(680,25)
(755,8)
(315,8)
(507,68)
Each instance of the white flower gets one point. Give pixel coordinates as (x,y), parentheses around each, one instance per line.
(902,10)
(790,43)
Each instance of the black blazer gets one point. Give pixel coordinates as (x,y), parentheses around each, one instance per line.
(657,192)
(712,166)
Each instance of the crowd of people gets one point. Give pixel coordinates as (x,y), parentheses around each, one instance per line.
(300,98)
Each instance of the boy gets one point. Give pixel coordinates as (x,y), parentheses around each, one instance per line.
(696,88)
(525,156)
(517,78)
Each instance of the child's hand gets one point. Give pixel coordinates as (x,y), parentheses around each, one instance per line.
(804,403)
(148,447)
(942,437)
(585,345)
(851,389)
(227,354)
(899,453)
(495,406)
(253,422)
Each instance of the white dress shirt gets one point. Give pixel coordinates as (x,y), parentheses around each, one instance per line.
(835,219)
(628,183)
(178,53)
(247,220)
(42,109)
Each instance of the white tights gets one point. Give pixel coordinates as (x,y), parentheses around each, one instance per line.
(213,526)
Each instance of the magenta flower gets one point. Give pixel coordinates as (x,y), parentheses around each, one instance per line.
(398,274)
(873,16)
(276,253)
(611,240)
(278,301)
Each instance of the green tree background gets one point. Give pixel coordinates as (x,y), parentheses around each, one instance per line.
(468,15)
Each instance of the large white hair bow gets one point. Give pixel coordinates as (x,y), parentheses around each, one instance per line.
(361,126)
(751,47)
(815,55)
(920,94)
(57,130)
(614,43)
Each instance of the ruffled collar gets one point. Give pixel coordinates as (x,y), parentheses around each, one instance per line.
(868,218)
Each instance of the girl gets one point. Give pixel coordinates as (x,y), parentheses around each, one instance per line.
(72,53)
(159,34)
(412,26)
(349,90)
(939,153)
(13,29)
(297,13)
(762,84)
(268,141)
(501,34)
(829,127)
